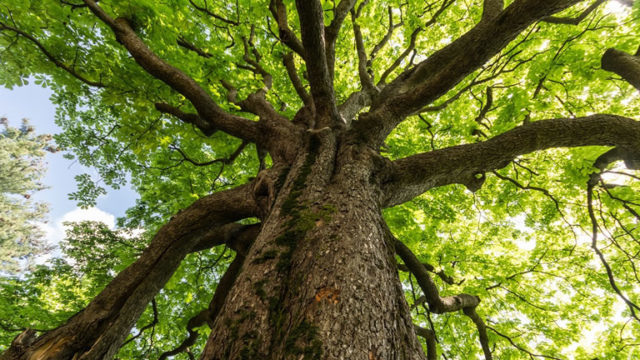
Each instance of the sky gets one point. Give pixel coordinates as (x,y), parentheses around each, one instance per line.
(32,102)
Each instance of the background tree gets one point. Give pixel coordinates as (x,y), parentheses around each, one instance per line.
(21,168)
(458,170)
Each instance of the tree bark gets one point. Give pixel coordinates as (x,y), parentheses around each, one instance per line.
(320,281)
(623,64)
(98,331)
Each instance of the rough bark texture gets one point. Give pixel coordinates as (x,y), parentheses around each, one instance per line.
(321,280)
(623,64)
(98,331)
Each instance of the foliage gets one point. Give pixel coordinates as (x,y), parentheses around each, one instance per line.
(21,168)
(522,242)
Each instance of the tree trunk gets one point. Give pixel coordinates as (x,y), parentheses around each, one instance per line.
(320,281)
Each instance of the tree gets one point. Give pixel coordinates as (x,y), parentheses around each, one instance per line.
(409,160)
(21,168)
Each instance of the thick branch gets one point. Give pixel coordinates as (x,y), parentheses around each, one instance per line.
(491,9)
(575,20)
(289,64)
(365,78)
(320,80)
(287,36)
(437,304)
(239,238)
(466,164)
(482,331)
(189,118)
(331,32)
(430,338)
(100,329)
(177,79)
(440,72)
(353,105)
(339,14)
(623,64)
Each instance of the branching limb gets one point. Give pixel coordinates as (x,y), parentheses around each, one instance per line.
(106,321)
(411,48)
(482,330)
(225,161)
(290,65)
(440,72)
(576,20)
(331,32)
(339,14)
(385,39)
(437,304)
(623,64)
(320,79)
(430,338)
(287,36)
(400,59)
(154,322)
(190,118)
(256,103)
(448,279)
(49,55)
(177,79)
(239,238)
(365,78)
(196,321)
(466,164)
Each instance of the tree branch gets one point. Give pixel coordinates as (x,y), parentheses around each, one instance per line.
(601,163)
(105,322)
(287,36)
(189,46)
(430,339)
(466,164)
(321,82)
(623,64)
(576,20)
(331,32)
(482,331)
(177,79)
(239,238)
(189,118)
(365,78)
(440,72)
(532,355)
(437,304)
(214,15)
(289,64)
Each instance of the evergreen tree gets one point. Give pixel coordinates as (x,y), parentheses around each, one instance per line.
(21,169)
